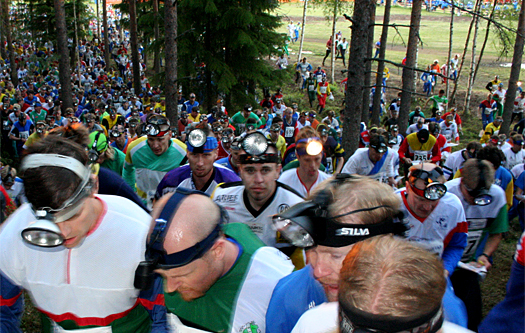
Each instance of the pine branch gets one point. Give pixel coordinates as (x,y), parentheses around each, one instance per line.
(400,89)
(411,68)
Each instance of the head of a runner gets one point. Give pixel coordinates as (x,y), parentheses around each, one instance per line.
(377,147)
(382,292)
(309,151)
(517,142)
(423,135)
(68,205)
(246,111)
(157,128)
(201,152)
(288,115)
(477,176)
(275,129)
(8,175)
(424,188)
(338,214)
(191,252)
(259,168)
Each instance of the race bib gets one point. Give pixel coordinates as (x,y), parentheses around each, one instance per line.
(58,329)
(322,90)
(319,77)
(311,87)
(329,165)
(288,131)
(24,135)
(440,107)
(488,111)
(420,156)
(473,239)
(5,125)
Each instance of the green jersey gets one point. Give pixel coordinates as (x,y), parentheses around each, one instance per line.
(239,122)
(237,302)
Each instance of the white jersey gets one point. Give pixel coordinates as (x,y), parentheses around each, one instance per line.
(92,280)
(361,164)
(306,123)
(454,163)
(233,198)
(431,233)
(512,158)
(17,193)
(325,319)
(478,217)
(517,170)
(414,129)
(450,132)
(291,178)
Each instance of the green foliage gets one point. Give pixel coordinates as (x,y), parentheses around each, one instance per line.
(327,7)
(504,40)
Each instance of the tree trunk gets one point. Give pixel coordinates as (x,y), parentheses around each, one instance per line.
(332,59)
(450,42)
(376,107)
(514,72)
(106,34)
(156,56)
(98,22)
(170,49)
(10,49)
(305,8)
(365,107)
(134,45)
(408,73)
(484,42)
(472,60)
(356,75)
(64,73)
(3,52)
(452,98)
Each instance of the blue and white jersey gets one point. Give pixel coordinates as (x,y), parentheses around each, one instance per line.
(182,177)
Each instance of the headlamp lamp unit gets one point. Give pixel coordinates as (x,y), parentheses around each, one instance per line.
(93,153)
(310,223)
(256,147)
(44,232)
(156,256)
(433,190)
(481,192)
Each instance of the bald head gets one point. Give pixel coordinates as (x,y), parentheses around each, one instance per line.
(196,217)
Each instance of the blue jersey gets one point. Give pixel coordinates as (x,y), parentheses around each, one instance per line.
(293,296)
(226,162)
(182,176)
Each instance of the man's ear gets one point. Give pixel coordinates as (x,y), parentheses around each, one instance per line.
(218,249)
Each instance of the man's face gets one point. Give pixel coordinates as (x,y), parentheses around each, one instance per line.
(288,115)
(259,179)
(235,156)
(440,94)
(159,145)
(75,229)
(419,205)
(192,98)
(202,164)
(468,198)
(326,263)
(246,113)
(190,281)
(274,135)
(194,113)
(395,114)
(310,164)
(517,146)
(374,155)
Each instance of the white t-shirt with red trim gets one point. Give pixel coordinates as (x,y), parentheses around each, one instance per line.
(434,232)
(292,179)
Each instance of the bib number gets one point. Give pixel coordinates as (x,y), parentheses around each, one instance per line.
(420,156)
(311,87)
(24,135)
(329,165)
(288,131)
(319,77)
(322,90)
(473,239)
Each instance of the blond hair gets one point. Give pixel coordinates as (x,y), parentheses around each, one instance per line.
(390,276)
(471,173)
(360,192)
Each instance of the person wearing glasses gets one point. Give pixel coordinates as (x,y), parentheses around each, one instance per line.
(485,207)
(73,250)
(105,154)
(219,277)
(189,104)
(118,138)
(151,156)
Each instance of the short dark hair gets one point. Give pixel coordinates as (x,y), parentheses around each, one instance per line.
(41,184)
(492,154)
(277,119)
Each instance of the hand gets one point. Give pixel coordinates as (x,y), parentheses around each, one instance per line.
(483,260)
(24,140)
(408,160)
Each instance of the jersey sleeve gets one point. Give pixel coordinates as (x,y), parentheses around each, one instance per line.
(11,306)
(456,240)
(500,223)
(128,173)
(350,166)
(153,302)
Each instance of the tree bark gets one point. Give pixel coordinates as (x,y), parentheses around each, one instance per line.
(450,42)
(332,58)
(452,98)
(356,75)
(134,45)
(514,72)
(484,42)
(156,56)
(376,107)
(305,8)
(408,72)
(98,21)
(10,49)
(63,65)
(170,49)
(106,34)
(472,60)
(365,107)
(3,51)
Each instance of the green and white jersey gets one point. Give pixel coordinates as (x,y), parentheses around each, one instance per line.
(233,198)
(238,301)
(144,170)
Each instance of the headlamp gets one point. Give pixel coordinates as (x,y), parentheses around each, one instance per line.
(380,146)
(199,143)
(275,128)
(433,189)
(44,232)
(115,133)
(250,127)
(310,146)
(309,223)
(480,193)
(197,138)
(256,147)
(156,256)
(154,124)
